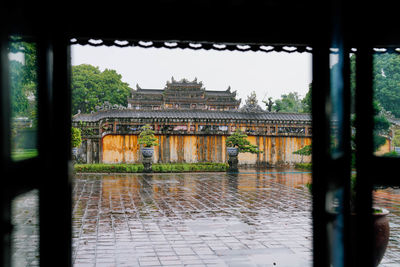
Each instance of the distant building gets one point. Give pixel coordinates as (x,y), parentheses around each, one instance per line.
(183,94)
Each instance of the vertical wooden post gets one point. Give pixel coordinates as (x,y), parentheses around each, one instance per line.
(364,153)
(55,147)
(5,151)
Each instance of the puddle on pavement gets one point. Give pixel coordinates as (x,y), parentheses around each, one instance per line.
(247,219)
(25,234)
(218,225)
(195,211)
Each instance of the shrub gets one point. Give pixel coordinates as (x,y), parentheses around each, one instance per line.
(76,138)
(146,137)
(163,168)
(391,154)
(304,166)
(239,139)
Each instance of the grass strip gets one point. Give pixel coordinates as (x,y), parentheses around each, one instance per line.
(157,168)
(23,154)
(303,166)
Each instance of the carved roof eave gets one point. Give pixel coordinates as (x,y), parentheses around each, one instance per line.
(193,45)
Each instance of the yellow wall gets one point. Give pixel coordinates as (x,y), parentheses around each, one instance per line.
(385,148)
(203,148)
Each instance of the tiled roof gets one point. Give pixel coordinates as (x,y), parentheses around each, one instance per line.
(160,91)
(191,114)
(149,91)
(218,93)
(395,121)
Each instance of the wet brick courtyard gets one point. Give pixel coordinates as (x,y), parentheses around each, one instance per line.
(204,219)
(196,219)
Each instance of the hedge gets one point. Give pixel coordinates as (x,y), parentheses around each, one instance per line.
(157,168)
(303,166)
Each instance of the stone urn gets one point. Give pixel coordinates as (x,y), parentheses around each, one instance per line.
(75,153)
(232,151)
(147,152)
(381,234)
(381,230)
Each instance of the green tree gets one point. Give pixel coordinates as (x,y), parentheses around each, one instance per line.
(239,139)
(304,151)
(76,137)
(268,104)
(19,98)
(382,62)
(386,73)
(381,126)
(92,87)
(306,101)
(396,138)
(290,102)
(23,79)
(29,69)
(146,137)
(387,81)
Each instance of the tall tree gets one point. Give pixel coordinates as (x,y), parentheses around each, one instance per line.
(290,102)
(387,81)
(386,73)
(386,92)
(268,104)
(19,99)
(306,101)
(381,126)
(92,87)
(23,79)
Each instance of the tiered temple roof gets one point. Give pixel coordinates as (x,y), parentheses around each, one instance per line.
(183,94)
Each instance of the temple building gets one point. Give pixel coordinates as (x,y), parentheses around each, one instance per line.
(183,95)
(110,135)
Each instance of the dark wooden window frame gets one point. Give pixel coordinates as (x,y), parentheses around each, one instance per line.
(54,182)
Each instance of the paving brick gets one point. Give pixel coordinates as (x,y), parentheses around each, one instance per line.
(205,219)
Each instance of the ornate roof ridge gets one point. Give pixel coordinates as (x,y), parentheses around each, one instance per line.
(184,81)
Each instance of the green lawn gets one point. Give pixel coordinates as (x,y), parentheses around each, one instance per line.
(23,154)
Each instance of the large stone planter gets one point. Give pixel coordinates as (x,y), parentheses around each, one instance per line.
(381,232)
(232,151)
(147,153)
(75,154)
(233,161)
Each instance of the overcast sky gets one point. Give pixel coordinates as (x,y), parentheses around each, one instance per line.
(268,74)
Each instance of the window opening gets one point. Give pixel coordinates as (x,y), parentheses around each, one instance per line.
(23,87)
(163,215)
(386,69)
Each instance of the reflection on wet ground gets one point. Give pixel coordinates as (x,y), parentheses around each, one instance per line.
(25,234)
(206,219)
